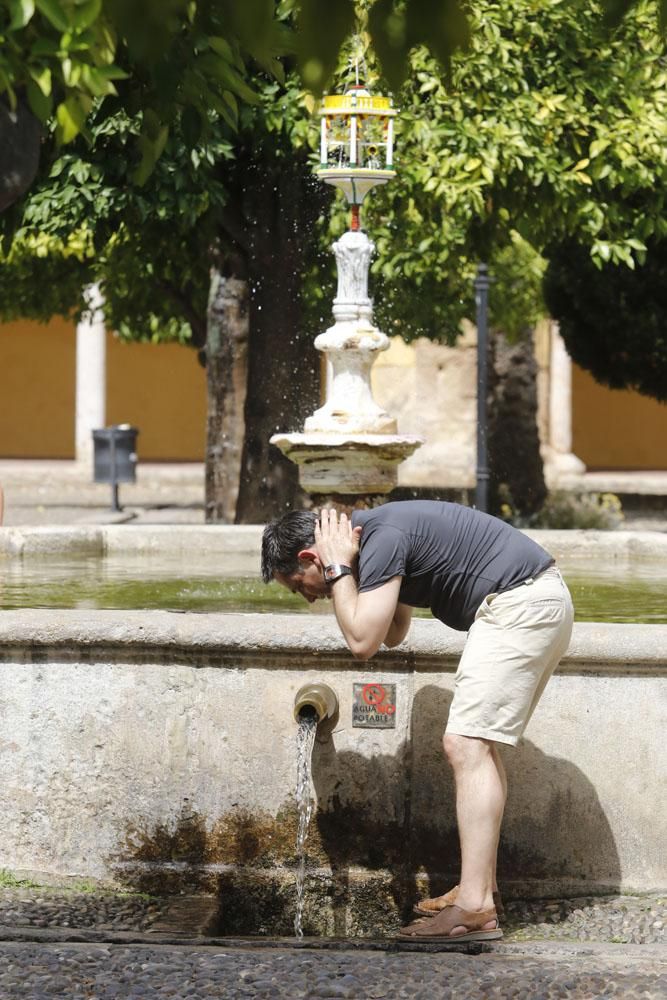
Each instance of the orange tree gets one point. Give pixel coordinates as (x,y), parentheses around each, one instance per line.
(533,135)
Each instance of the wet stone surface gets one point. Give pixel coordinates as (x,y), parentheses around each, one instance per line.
(134,972)
(51,908)
(611,919)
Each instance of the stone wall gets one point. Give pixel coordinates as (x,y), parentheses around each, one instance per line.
(156,751)
(432,390)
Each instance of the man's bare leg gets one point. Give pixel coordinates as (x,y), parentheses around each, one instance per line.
(500,767)
(480,801)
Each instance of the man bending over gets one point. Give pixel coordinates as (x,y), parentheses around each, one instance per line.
(476,574)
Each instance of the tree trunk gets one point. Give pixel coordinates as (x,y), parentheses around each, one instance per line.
(283,366)
(517,473)
(226,377)
(20,135)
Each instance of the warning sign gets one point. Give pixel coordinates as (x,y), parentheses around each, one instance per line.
(374,706)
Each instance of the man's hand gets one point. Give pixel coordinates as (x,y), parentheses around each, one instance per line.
(365,619)
(336,540)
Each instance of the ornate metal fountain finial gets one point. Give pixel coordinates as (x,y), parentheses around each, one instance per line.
(356,142)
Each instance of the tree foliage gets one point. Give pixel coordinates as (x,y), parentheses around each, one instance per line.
(613,319)
(547,128)
(85,221)
(188,56)
(178,57)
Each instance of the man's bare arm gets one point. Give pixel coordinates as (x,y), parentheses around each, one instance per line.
(400,625)
(366,619)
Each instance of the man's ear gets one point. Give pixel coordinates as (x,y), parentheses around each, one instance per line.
(308,556)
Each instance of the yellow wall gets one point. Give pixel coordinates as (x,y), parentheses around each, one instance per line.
(159,388)
(616,429)
(37,387)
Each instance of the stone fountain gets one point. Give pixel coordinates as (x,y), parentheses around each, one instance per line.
(349,451)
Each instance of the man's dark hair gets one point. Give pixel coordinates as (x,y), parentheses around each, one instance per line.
(282,541)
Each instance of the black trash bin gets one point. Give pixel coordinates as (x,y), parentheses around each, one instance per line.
(115,457)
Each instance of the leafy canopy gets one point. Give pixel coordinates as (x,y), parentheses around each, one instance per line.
(548,128)
(613,319)
(188,56)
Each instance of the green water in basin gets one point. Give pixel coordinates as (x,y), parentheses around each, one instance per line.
(603,593)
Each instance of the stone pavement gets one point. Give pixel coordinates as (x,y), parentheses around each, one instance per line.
(57,943)
(57,492)
(51,492)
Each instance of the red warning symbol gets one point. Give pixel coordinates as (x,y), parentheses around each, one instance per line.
(374,694)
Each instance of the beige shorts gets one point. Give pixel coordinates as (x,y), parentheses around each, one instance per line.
(512,649)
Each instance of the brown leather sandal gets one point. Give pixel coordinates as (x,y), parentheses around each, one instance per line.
(429,907)
(440,927)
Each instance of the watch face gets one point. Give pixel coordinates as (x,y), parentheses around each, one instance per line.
(331,571)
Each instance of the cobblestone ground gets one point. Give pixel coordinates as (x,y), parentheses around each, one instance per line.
(100,972)
(50,908)
(612,919)
(132,947)
(616,919)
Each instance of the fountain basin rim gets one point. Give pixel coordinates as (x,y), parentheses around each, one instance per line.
(218,540)
(356,439)
(215,638)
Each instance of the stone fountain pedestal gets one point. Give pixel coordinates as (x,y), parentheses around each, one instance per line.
(349,451)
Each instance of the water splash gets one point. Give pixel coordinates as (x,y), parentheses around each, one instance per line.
(305,738)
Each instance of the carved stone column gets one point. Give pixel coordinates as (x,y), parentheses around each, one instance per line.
(562,463)
(91,371)
(349,447)
(351,346)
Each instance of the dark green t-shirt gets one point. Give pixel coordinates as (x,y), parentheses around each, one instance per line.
(450,556)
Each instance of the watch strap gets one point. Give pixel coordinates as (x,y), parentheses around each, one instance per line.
(334,571)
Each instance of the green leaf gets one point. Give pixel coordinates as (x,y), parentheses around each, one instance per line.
(224,109)
(42,77)
(40,103)
(388,30)
(213,66)
(86,14)
(222,47)
(151,143)
(45,47)
(71,116)
(21,12)
(232,104)
(53,12)
(598,146)
(318,44)
(96,82)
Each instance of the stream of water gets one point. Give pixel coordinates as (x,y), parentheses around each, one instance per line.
(305,738)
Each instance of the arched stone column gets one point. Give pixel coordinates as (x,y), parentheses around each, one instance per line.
(561,462)
(90,377)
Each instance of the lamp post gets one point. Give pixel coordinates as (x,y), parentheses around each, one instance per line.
(481,286)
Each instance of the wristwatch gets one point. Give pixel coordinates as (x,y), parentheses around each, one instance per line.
(334,571)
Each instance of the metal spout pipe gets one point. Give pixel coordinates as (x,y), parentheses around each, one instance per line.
(315,699)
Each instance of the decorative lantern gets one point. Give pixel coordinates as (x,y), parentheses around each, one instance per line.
(356,144)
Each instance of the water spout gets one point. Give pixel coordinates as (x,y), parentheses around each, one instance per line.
(316,701)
